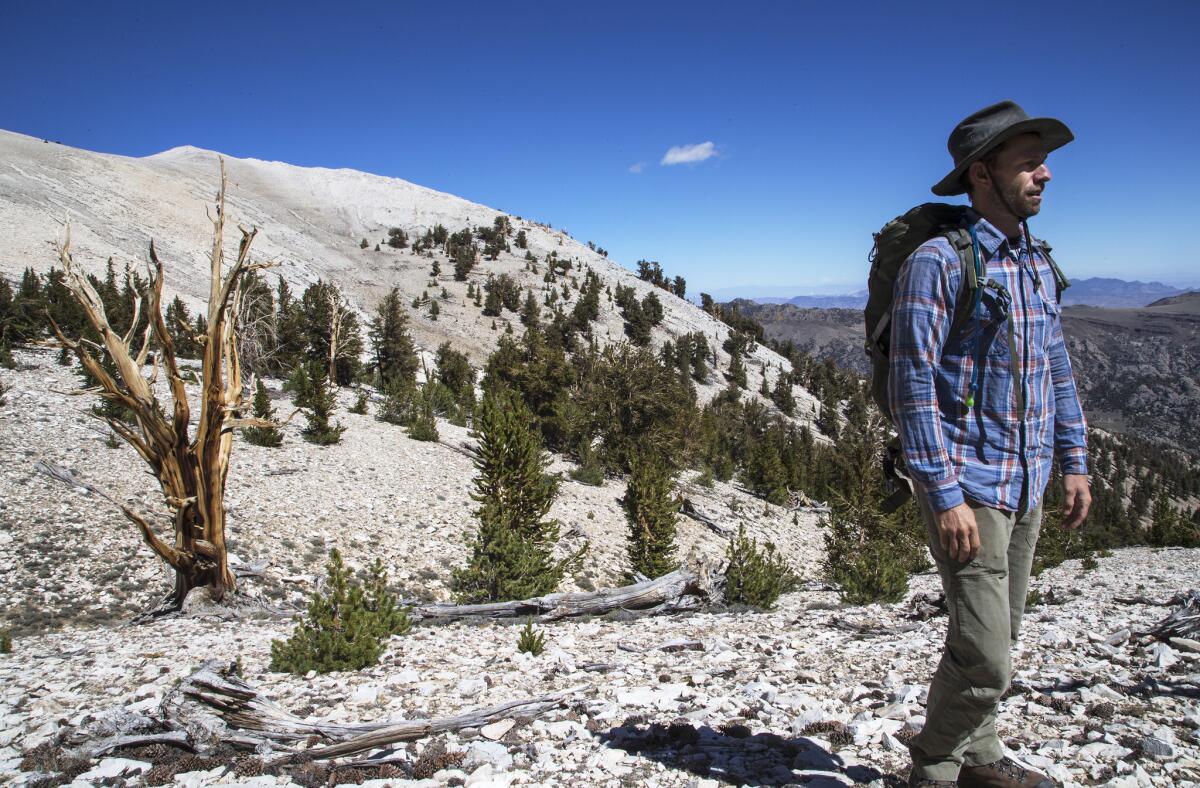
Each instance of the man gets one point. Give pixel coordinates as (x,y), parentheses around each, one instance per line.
(981,416)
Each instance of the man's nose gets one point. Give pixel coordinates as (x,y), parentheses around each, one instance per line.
(1042,174)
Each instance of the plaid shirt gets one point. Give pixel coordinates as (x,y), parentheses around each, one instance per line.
(990,452)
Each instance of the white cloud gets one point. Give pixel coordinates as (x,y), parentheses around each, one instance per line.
(636,169)
(689,154)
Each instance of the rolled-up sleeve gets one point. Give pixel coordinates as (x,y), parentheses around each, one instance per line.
(922,310)
(1070,426)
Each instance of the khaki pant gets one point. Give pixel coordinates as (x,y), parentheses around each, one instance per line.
(985,599)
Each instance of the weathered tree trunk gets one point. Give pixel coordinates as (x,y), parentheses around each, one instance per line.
(240,706)
(191,473)
(668,590)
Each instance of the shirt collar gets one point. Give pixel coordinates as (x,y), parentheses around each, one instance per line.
(989,237)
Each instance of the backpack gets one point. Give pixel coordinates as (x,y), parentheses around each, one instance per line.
(898,239)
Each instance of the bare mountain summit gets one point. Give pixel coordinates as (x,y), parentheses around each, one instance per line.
(313,221)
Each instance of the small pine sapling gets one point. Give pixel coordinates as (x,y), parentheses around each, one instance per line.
(755,577)
(345,627)
(360,403)
(531,641)
(263,436)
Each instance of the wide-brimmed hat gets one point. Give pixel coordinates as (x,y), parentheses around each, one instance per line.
(982,131)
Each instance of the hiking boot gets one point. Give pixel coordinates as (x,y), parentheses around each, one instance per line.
(923,782)
(1004,773)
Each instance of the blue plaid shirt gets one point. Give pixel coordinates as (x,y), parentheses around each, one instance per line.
(983,453)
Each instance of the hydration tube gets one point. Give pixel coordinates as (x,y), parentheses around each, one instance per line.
(976,299)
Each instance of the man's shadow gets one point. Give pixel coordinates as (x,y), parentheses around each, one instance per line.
(735,756)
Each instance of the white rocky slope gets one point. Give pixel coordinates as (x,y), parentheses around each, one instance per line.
(1093,703)
(311,221)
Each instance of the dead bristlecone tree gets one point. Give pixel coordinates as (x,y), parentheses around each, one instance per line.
(191,470)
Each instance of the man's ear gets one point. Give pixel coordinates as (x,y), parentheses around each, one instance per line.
(978,171)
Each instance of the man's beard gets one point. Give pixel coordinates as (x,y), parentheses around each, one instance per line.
(1019,201)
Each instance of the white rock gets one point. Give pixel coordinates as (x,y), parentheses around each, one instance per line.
(1161,655)
(366,694)
(489,752)
(114,767)
(469,688)
(496,730)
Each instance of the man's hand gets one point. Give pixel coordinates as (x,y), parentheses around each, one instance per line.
(1076,501)
(958,533)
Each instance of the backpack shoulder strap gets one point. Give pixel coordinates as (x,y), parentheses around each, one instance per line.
(1061,282)
(960,242)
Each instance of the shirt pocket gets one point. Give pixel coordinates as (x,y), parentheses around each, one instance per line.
(985,332)
(1051,315)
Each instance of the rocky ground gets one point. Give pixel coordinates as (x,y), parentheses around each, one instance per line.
(764,699)
(811,693)
(67,557)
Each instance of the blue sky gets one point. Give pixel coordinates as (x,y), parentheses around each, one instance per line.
(822,120)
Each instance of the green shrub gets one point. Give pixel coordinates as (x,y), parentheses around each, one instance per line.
(1033,598)
(263,436)
(314,394)
(399,398)
(651,508)
(1089,563)
(590,470)
(360,403)
(512,553)
(344,628)
(5,641)
(876,573)
(424,425)
(531,641)
(754,577)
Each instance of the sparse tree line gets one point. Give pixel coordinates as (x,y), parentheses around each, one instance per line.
(618,411)
(119,332)
(1136,486)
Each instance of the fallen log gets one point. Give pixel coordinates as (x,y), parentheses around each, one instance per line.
(1183,622)
(689,509)
(664,592)
(243,708)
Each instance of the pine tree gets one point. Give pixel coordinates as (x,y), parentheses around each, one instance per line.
(755,577)
(435,270)
(331,327)
(434,310)
(263,436)
(737,371)
(359,408)
(6,314)
(397,238)
(179,327)
(530,311)
(765,474)
(290,341)
(363,244)
(1168,528)
(424,424)
(492,304)
(319,402)
(463,258)
(63,309)
(522,240)
(345,627)
(781,395)
(27,321)
(393,348)
(512,552)
(650,507)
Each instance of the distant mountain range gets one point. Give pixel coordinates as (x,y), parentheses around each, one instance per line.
(1094,291)
(1138,369)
